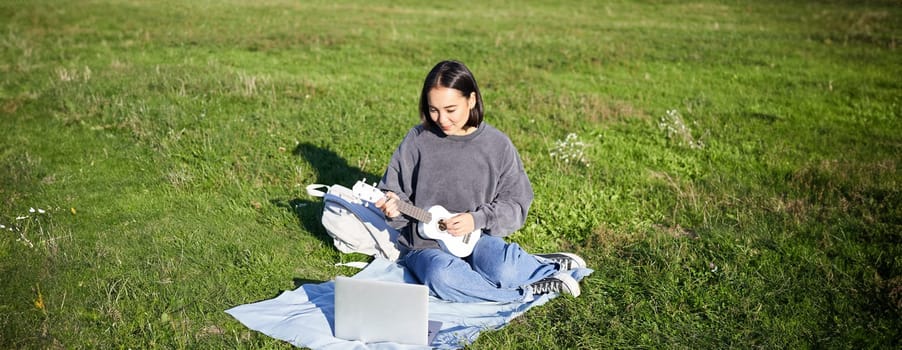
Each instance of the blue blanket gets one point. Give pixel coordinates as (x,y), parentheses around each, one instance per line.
(304,316)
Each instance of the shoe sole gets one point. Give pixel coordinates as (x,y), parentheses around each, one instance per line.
(571,283)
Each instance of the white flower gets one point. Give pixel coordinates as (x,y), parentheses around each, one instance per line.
(570,148)
(675,129)
(31,210)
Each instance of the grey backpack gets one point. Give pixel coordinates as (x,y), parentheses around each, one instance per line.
(354,226)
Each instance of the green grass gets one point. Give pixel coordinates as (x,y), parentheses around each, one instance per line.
(169,143)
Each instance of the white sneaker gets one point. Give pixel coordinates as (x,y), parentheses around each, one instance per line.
(561,283)
(565,261)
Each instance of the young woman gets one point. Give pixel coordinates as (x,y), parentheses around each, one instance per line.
(456,160)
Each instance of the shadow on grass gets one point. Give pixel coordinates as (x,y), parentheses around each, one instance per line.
(330,169)
(298,282)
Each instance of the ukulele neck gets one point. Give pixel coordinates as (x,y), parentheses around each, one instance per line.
(414,212)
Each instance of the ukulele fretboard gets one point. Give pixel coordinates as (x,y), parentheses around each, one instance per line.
(414,212)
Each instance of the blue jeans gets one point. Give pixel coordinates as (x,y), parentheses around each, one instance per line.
(496,271)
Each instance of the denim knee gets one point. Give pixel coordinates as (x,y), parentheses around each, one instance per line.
(502,275)
(437,277)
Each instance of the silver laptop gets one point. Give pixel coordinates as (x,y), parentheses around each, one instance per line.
(376,311)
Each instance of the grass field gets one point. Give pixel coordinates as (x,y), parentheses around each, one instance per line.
(732,174)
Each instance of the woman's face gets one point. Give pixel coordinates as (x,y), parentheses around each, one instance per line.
(450,110)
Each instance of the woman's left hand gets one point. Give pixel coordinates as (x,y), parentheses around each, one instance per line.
(460,224)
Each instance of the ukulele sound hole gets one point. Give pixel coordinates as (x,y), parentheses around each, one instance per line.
(442,226)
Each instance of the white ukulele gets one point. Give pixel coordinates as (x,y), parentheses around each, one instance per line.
(431,222)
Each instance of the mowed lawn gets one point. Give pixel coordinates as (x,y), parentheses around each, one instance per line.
(730,169)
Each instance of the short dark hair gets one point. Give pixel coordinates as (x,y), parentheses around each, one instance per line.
(454,75)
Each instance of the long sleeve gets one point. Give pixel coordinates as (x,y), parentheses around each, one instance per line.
(506,213)
(398,174)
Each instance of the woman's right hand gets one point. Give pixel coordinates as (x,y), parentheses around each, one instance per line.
(389,205)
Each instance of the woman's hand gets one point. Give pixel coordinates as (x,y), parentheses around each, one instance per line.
(460,224)
(389,205)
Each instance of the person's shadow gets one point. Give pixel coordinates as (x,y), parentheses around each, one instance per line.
(330,169)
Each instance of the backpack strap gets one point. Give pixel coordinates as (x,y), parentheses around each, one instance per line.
(315,190)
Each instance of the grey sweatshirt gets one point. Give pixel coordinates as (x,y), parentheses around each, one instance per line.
(480,173)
